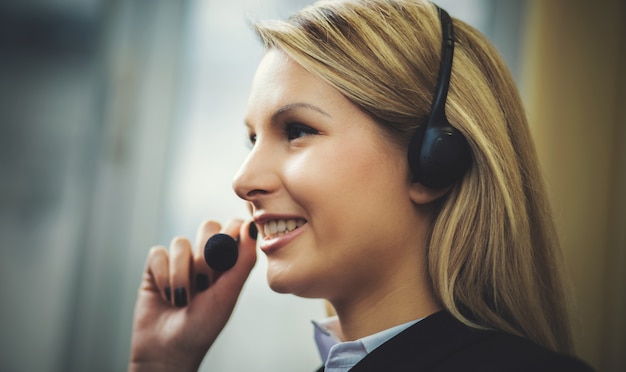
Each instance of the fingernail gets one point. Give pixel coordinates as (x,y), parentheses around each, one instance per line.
(252,231)
(180,297)
(202,282)
(168,294)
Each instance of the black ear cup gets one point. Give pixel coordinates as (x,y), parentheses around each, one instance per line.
(438,153)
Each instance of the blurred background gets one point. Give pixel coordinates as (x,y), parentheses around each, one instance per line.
(121,126)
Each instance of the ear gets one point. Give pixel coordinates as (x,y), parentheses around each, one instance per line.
(422,195)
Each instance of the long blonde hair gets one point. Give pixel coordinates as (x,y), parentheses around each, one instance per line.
(494,258)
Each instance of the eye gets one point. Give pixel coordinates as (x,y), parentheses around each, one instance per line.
(251,140)
(296,130)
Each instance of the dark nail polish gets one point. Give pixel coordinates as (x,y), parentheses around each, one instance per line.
(252,231)
(202,282)
(168,294)
(180,297)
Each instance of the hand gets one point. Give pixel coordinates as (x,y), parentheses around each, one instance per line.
(182,304)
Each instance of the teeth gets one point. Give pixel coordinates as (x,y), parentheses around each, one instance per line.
(276,228)
(281,225)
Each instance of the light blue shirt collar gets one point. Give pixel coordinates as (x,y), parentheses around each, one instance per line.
(340,356)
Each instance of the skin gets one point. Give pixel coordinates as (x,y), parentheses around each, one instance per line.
(318,158)
(167,337)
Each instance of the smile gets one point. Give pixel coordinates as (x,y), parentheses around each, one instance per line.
(275,228)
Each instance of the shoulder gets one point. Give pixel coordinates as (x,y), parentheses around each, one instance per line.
(440,343)
(497,351)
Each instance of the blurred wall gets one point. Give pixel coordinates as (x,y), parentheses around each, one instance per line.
(49,127)
(575,87)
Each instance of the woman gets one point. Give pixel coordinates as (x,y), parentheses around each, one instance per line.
(440,260)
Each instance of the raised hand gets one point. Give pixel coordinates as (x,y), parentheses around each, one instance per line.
(182,304)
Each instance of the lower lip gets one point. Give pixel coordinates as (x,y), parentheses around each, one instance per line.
(274,244)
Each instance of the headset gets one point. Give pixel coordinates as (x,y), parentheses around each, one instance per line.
(438,153)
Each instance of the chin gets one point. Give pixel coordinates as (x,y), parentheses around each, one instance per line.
(281,283)
(295,285)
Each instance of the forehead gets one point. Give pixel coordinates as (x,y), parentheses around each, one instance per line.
(280,81)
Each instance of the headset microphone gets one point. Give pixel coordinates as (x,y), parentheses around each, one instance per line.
(221,252)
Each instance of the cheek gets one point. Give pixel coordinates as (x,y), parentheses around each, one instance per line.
(329,175)
(345,187)
(354,201)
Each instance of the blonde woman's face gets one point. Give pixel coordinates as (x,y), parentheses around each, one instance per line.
(328,191)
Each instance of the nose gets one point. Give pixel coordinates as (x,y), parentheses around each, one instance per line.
(258,175)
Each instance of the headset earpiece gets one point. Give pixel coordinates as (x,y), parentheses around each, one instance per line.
(442,158)
(438,153)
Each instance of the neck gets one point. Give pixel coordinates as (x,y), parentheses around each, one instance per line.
(390,304)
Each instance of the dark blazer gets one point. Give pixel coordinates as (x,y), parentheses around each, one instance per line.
(440,343)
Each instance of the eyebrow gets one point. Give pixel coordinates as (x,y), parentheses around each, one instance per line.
(290,107)
(295,106)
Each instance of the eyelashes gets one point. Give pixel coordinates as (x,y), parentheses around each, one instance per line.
(297,130)
(290,132)
(251,140)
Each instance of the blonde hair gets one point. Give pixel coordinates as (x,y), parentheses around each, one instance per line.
(494,258)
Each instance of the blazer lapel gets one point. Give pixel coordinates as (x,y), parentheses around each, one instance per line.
(421,346)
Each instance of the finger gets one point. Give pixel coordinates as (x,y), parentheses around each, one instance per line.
(247,245)
(201,271)
(180,265)
(157,268)
(236,277)
(231,228)
(224,291)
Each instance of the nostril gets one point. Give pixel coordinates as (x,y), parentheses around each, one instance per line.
(255,193)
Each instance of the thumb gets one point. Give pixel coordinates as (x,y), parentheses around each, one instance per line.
(222,295)
(230,283)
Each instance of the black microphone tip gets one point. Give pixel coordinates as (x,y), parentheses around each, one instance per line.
(221,252)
